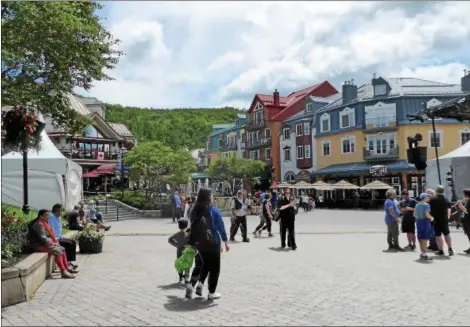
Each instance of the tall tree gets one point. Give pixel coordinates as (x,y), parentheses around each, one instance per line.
(156,163)
(48,50)
(228,170)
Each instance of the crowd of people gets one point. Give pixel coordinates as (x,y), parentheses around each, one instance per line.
(425,220)
(45,233)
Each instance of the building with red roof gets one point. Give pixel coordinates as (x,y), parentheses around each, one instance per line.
(265,117)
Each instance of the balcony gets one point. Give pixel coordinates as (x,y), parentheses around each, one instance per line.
(229,146)
(255,143)
(381,154)
(90,154)
(257,124)
(381,124)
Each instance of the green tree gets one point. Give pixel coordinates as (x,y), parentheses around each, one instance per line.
(226,170)
(187,128)
(48,50)
(155,163)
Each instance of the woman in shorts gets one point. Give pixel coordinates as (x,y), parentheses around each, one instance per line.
(423,224)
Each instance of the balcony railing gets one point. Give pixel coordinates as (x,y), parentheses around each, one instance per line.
(90,154)
(381,153)
(382,123)
(258,142)
(255,124)
(229,146)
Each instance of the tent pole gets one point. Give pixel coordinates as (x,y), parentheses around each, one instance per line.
(25,171)
(435,148)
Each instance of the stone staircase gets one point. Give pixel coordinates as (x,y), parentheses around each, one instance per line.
(113,211)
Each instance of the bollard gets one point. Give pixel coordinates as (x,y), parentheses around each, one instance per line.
(117,213)
(106,206)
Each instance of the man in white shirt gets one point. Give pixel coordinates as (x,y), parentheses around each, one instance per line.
(238,209)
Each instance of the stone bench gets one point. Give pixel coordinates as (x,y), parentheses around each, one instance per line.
(20,282)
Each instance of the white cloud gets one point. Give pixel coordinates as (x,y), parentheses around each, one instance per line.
(224,52)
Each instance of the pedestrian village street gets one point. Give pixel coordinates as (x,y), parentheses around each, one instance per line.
(338,276)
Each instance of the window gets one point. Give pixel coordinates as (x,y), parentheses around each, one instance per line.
(380,89)
(237,122)
(325,123)
(464,137)
(287,155)
(254,155)
(267,154)
(208,144)
(300,152)
(221,142)
(259,118)
(298,129)
(307,151)
(306,128)
(309,107)
(286,133)
(267,133)
(382,144)
(348,145)
(381,115)
(347,118)
(435,140)
(326,148)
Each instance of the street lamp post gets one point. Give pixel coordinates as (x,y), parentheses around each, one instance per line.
(122,151)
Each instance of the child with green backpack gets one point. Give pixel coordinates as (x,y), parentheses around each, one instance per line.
(184,255)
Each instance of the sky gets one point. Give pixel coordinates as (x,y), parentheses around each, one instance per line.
(217,54)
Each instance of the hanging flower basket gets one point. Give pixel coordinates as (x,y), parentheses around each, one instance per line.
(20,129)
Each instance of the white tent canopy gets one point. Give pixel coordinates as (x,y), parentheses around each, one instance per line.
(459,160)
(52,178)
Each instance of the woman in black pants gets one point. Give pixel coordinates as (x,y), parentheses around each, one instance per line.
(287,208)
(266,218)
(206,235)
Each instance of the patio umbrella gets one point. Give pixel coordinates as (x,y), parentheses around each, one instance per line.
(106,169)
(283,185)
(322,186)
(274,186)
(302,185)
(343,185)
(91,174)
(376,185)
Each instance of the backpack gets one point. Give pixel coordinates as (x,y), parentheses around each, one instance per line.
(201,235)
(238,204)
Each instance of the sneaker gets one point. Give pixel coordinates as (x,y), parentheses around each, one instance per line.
(451,252)
(270,235)
(409,247)
(232,239)
(107,228)
(294,248)
(199,287)
(213,296)
(424,256)
(467,251)
(440,253)
(399,249)
(413,247)
(189,292)
(186,280)
(255,234)
(246,240)
(259,233)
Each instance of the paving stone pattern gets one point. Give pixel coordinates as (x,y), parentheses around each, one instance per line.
(332,279)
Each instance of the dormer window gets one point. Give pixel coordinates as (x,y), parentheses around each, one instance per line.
(380,89)
(347,118)
(309,107)
(325,123)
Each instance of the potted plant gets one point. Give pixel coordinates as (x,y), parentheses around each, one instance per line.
(21,129)
(90,239)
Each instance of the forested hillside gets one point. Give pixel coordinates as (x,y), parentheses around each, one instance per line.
(176,128)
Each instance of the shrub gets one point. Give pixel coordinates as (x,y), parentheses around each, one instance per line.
(14,230)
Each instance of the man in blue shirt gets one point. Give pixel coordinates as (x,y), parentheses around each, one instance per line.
(176,206)
(70,246)
(392,219)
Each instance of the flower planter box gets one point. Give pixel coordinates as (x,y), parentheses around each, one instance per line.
(90,246)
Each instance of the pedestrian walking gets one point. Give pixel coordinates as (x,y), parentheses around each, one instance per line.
(422,212)
(466,218)
(176,205)
(408,225)
(206,236)
(287,211)
(392,220)
(239,210)
(265,218)
(441,211)
(180,240)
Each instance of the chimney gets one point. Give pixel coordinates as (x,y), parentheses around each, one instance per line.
(465,81)
(349,91)
(276,101)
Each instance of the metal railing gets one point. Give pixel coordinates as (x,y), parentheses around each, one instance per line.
(381,123)
(87,154)
(255,124)
(258,142)
(381,153)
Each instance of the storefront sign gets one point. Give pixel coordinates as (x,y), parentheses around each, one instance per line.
(378,170)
